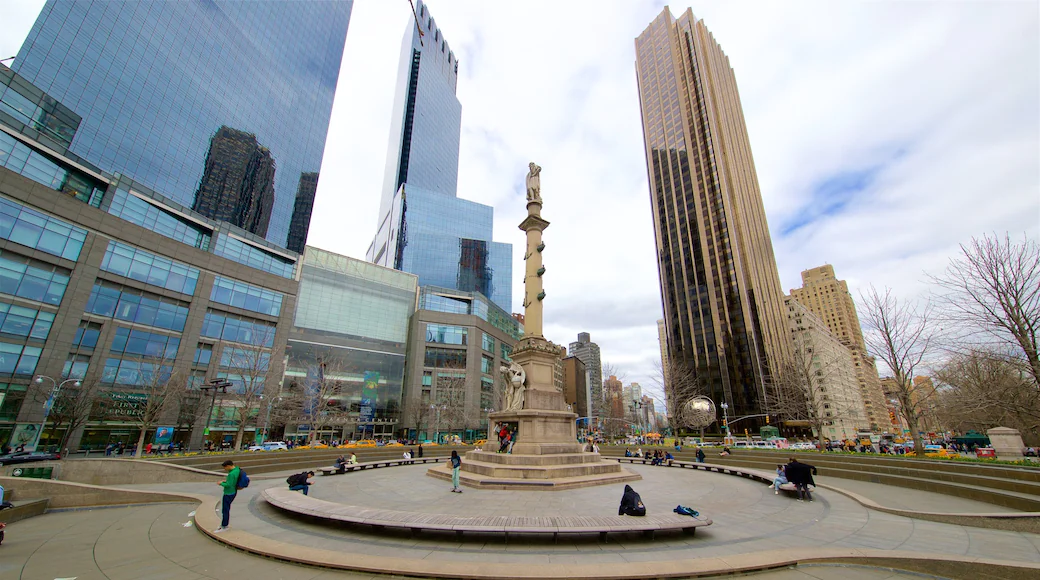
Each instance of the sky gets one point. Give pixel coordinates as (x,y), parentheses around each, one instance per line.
(884,135)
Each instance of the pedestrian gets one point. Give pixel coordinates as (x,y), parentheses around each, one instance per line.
(779,479)
(456,465)
(148,449)
(800,474)
(631,503)
(301,481)
(700,455)
(230,485)
(419,451)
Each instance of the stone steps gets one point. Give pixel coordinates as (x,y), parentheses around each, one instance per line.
(480,481)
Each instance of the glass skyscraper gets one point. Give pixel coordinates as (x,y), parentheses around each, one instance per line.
(154,82)
(423,227)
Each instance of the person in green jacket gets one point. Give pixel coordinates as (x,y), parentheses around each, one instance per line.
(230,485)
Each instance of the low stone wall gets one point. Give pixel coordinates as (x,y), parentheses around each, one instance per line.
(71,495)
(119,471)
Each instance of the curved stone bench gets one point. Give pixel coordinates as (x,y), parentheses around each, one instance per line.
(331,470)
(298,503)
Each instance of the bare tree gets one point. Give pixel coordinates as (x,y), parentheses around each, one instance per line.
(318,399)
(71,406)
(157,392)
(993,290)
(680,382)
(419,414)
(900,334)
(450,397)
(248,367)
(983,389)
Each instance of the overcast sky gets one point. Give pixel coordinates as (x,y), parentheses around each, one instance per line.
(884,135)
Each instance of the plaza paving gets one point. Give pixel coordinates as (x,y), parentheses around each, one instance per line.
(151,542)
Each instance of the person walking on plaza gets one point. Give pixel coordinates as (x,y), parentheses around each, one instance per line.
(301,481)
(456,465)
(230,485)
(800,474)
(419,450)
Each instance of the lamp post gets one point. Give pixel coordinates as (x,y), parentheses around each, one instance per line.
(267,418)
(213,386)
(725,420)
(55,390)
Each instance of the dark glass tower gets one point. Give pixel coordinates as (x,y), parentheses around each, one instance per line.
(423,227)
(301,215)
(723,305)
(238,184)
(154,82)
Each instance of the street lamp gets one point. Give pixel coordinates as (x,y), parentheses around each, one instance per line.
(214,385)
(267,418)
(55,390)
(725,420)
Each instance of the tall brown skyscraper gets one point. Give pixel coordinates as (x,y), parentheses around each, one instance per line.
(237,184)
(723,304)
(829,298)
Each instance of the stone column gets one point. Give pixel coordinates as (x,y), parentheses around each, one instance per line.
(533,225)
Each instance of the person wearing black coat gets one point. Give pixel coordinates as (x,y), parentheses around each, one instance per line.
(801,475)
(631,503)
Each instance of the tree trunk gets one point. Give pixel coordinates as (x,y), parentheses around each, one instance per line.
(140,442)
(239,435)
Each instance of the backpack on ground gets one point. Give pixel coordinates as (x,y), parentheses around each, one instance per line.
(243,479)
(686,511)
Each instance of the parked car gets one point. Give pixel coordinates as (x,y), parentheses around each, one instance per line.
(27,457)
(803,446)
(270,446)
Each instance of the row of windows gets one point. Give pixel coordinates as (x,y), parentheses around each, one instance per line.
(246,359)
(138,211)
(445,358)
(446,334)
(24,161)
(149,268)
(132,305)
(35,230)
(243,253)
(237,329)
(32,279)
(25,322)
(247,296)
(144,343)
(18,359)
(132,372)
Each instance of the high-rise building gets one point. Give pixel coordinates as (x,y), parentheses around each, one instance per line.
(575,386)
(723,304)
(834,389)
(301,216)
(155,81)
(588,352)
(238,183)
(662,341)
(829,299)
(423,227)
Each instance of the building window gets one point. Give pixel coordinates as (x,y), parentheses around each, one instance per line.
(18,359)
(427,379)
(75,366)
(149,268)
(145,344)
(132,305)
(246,296)
(36,166)
(38,231)
(444,334)
(488,343)
(11,398)
(134,373)
(243,253)
(25,322)
(506,351)
(445,358)
(203,354)
(138,211)
(32,279)
(487,364)
(237,329)
(86,335)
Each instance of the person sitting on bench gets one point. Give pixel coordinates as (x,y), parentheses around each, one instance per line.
(631,503)
(341,464)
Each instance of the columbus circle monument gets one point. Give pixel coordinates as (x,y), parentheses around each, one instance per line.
(546,453)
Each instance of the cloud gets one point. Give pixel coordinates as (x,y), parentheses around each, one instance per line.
(884,134)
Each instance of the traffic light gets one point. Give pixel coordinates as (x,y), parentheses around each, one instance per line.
(724,423)
(767,419)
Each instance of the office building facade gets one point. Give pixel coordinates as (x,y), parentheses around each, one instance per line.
(720,290)
(458,343)
(344,378)
(154,82)
(833,393)
(829,299)
(576,387)
(108,283)
(588,352)
(238,183)
(423,227)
